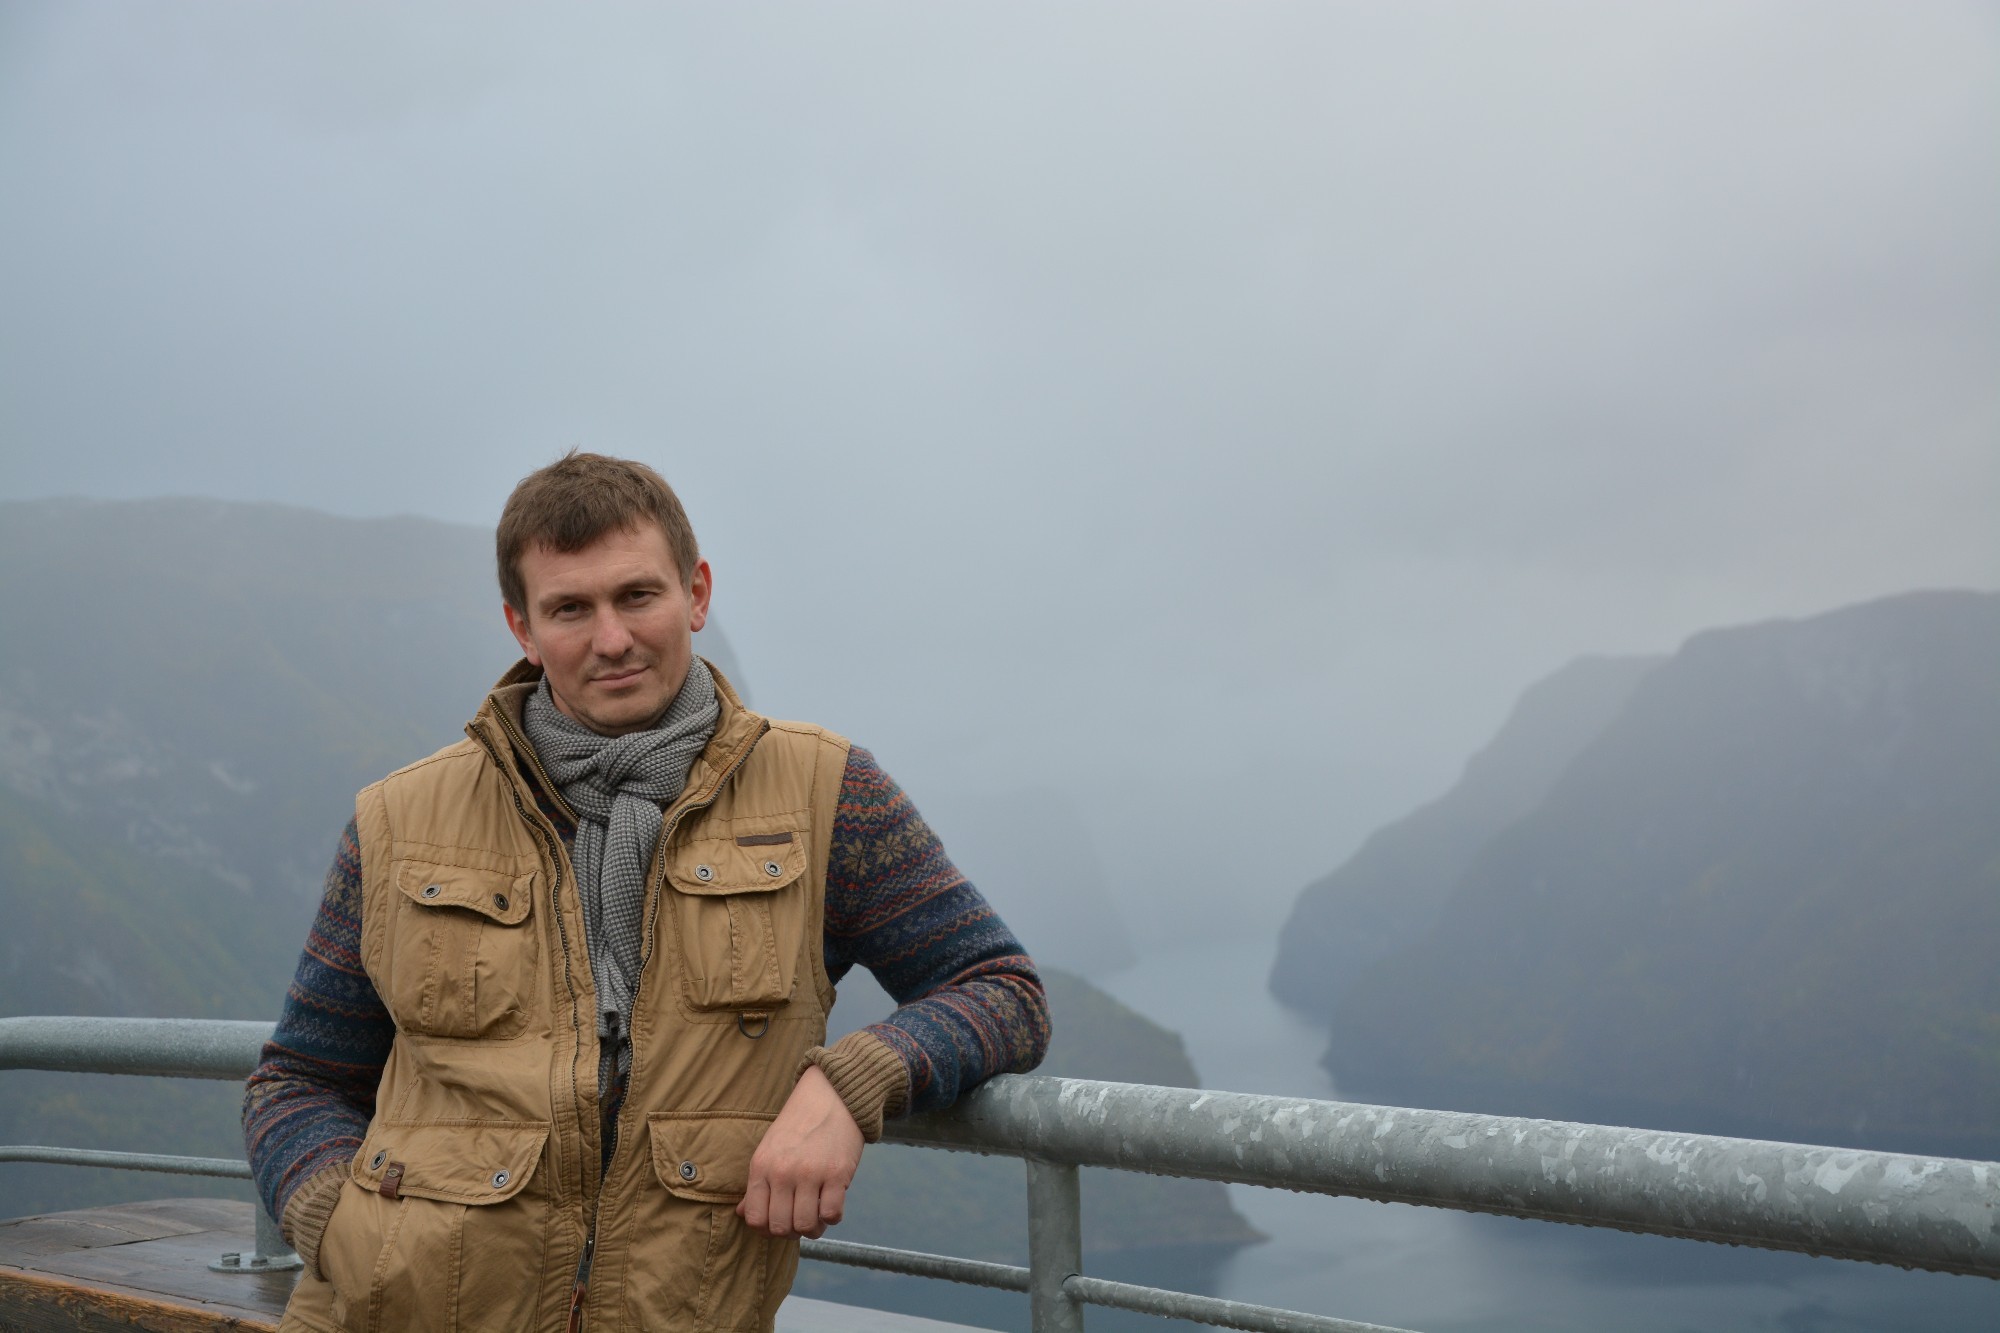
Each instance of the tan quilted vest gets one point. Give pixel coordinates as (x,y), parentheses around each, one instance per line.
(471,1201)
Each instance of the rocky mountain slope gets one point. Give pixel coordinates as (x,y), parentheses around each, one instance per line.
(1763,899)
(1393,888)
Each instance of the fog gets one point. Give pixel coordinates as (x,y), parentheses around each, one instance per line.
(1213,414)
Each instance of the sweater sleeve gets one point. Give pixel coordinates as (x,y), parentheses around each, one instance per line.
(970,1003)
(308,1103)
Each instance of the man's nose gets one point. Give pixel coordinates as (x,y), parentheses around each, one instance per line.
(611,639)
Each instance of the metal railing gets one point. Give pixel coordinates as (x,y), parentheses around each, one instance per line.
(165,1047)
(1941,1214)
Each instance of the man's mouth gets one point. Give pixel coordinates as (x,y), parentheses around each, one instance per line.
(620,677)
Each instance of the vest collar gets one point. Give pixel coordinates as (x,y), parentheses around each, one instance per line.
(497,726)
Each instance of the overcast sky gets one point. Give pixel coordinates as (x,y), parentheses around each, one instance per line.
(1215,413)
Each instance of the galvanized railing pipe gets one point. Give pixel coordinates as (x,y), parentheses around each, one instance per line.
(1915,1212)
(226,1167)
(1211,1309)
(916,1263)
(169,1047)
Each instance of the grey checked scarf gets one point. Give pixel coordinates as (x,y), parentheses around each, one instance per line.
(618,786)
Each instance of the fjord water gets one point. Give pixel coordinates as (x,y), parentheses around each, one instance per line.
(1439,1271)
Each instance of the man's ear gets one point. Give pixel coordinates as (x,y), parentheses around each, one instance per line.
(518,623)
(699,589)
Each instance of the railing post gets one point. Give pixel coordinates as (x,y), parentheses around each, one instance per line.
(272,1252)
(1055,1247)
(269,1254)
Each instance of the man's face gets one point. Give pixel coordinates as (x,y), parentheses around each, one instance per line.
(609,625)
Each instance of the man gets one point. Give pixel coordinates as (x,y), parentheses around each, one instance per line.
(553,1057)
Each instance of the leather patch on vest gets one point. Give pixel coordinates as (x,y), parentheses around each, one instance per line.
(392,1181)
(763,839)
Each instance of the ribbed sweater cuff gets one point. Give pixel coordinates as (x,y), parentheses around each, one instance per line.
(306,1215)
(871,1079)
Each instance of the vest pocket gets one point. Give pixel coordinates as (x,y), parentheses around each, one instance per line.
(736,903)
(438,1228)
(704,1156)
(712,1273)
(461,953)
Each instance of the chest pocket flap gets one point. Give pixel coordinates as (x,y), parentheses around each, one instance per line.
(705,1155)
(744,863)
(495,895)
(739,908)
(474,1163)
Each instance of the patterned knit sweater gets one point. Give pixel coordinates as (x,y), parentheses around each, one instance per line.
(970,1001)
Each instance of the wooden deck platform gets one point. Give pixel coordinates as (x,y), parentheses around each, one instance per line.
(145,1266)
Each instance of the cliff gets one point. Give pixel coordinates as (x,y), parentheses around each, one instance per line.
(1763,899)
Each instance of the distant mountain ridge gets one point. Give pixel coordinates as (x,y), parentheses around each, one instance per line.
(1764,899)
(214,681)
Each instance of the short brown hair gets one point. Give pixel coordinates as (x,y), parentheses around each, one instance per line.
(578,498)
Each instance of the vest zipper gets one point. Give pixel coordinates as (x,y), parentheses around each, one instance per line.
(576,1295)
(580,1291)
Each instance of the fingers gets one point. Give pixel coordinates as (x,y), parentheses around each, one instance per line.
(806,1209)
(832,1202)
(780,1207)
(755,1210)
(779,1222)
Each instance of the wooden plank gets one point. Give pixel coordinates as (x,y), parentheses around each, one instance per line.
(40,1303)
(139,1266)
(90,1228)
(171,1215)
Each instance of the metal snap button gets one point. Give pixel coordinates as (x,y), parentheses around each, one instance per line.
(500,901)
(433,890)
(773,869)
(375,1162)
(500,1179)
(688,1171)
(704,873)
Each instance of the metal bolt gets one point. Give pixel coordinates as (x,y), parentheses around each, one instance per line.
(773,869)
(704,873)
(688,1171)
(433,890)
(500,901)
(500,1179)
(375,1162)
